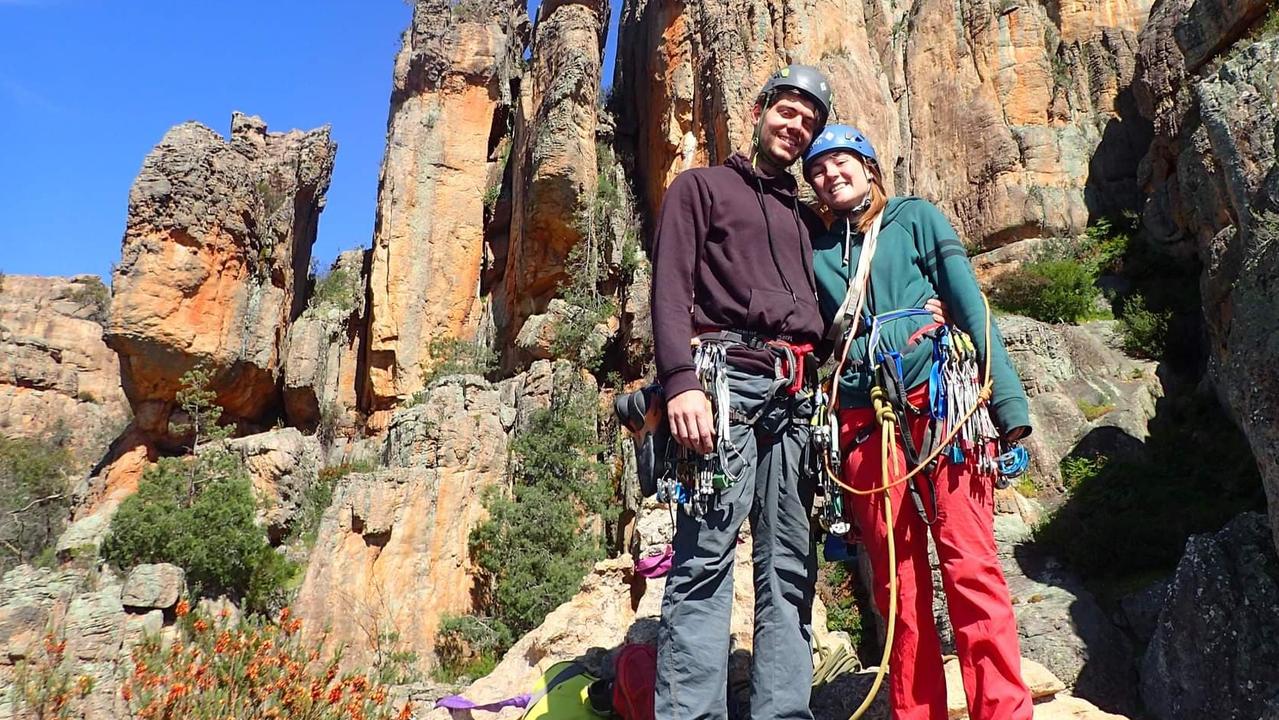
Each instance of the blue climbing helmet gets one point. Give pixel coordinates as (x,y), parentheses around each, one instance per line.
(838,137)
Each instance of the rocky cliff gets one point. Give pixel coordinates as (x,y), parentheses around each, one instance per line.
(57,377)
(1208,79)
(214,266)
(452,103)
(1023,119)
(553,161)
(1006,139)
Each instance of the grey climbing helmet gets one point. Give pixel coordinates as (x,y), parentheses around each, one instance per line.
(805,79)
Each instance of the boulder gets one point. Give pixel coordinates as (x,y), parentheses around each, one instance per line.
(1239,105)
(1061,625)
(84,610)
(153,587)
(606,597)
(1208,85)
(1215,650)
(450,105)
(1141,610)
(1068,369)
(212,266)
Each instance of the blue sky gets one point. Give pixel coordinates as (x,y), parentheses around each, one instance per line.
(88,87)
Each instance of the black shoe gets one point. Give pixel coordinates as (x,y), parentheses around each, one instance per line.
(651,437)
(599,695)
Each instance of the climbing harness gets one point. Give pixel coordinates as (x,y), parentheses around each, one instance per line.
(692,479)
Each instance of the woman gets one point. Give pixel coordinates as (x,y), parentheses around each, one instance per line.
(897,253)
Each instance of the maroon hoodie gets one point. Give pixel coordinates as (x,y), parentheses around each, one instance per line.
(731,252)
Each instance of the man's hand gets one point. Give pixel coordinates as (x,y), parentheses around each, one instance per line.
(691,422)
(938,309)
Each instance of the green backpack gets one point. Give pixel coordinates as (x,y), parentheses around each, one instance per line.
(561,694)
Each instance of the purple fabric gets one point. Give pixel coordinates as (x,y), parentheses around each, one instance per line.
(457,702)
(655,566)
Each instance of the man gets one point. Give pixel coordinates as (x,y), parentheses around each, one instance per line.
(733,271)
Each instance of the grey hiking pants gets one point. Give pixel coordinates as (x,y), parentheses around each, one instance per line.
(693,638)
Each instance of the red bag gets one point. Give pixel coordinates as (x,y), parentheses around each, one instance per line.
(636,679)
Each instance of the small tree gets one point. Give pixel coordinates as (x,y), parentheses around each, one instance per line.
(198,513)
(33,497)
(538,542)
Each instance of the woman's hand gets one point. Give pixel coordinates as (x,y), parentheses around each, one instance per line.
(938,309)
(1015,434)
(691,421)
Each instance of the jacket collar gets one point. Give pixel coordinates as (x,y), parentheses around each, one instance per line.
(782,183)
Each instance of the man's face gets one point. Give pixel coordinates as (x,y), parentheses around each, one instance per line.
(787,128)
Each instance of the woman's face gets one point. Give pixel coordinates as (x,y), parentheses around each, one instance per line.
(840,180)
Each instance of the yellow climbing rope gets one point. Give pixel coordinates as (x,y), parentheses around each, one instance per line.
(887,462)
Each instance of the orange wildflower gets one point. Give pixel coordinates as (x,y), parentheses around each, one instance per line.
(182,609)
(200,625)
(126,692)
(335,695)
(407,712)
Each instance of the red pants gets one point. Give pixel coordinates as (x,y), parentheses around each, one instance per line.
(976,593)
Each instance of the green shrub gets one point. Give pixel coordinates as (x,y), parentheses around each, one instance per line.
(559,451)
(339,290)
(90,291)
(1078,470)
(835,588)
(33,498)
(198,514)
(1144,332)
(468,646)
(451,356)
(1106,243)
(535,553)
(1056,291)
(588,306)
(491,195)
(536,546)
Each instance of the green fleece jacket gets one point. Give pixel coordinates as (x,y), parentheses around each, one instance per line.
(918,257)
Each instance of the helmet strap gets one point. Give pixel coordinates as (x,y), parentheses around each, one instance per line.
(766,101)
